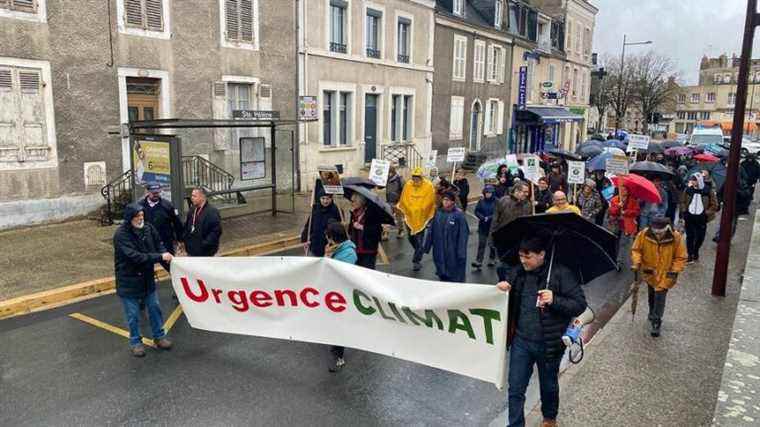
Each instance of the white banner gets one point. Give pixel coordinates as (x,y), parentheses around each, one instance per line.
(378,172)
(455,155)
(532,168)
(638,142)
(576,172)
(456,327)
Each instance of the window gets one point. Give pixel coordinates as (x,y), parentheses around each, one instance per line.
(727,78)
(239,97)
(695,98)
(558,35)
(460,58)
(459,7)
(692,115)
(479,68)
(587,43)
(338,39)
(552,70)
(532,32)
(404,39)
(731,99)
(575,84)
(147,18)
(681,115)
(583,87)
(682,99)
(578,40)
(456,119)
(496,64)
(26,10)
(25,115)
(569,38)
(717,79)
(494,122)
(337,118)
(711,97)
(514,18)
(24,6)
(401,118)
(498,10)
(705,115)
(374,28)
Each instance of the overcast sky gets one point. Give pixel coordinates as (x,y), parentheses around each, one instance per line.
(682,29)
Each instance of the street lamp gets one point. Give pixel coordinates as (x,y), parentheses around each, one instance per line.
(620,83)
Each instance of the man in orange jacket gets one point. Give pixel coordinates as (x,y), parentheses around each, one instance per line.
(658,255)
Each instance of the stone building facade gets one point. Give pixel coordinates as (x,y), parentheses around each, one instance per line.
(72,71)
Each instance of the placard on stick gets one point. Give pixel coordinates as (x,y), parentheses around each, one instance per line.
(576,172)
(378,172)
(330,179)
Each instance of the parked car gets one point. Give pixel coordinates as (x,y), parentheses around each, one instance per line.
(702,136)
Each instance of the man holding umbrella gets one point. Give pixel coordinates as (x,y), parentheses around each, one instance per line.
(658,256)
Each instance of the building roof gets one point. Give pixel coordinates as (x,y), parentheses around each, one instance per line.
(476,12)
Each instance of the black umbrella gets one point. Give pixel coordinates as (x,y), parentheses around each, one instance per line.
(670,144)
(578,244)
(717,170)
(590,149)
(373,202)
(652,169)
(357,180)
(655,148)
(598,137)
(563,154)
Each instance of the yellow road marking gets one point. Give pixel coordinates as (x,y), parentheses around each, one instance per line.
(109,327)
(169,324)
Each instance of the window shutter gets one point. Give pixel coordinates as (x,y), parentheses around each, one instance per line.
(23,5)
(265,97)
(29,82)
(502,64)
(487,126)
(246,20)
(231,19)
(500,128)
(6,81)
(133,13)
(154,14)
(220,90)
(219,111)
(490,67)
(4,4)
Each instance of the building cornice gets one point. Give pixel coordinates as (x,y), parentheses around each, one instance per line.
(364,60)
(456,24)
(426,3)
(588,6)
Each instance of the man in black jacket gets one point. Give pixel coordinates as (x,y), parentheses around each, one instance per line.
(161,214)
(203,226)
(137,248)
(322,213)
(539,312)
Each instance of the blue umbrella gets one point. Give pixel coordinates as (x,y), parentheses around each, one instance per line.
(598,163)
(616,143)
(590,149)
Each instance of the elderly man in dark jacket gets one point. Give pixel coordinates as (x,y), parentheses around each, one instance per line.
(203,227)
(539,312)
(161,214)
(137,248)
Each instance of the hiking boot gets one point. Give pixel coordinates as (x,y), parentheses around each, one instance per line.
(163,344)
(417,266)
(338,365)
(655,329)
(138,350)
(549,423)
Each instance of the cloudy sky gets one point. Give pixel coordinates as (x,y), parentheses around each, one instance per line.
(682,29)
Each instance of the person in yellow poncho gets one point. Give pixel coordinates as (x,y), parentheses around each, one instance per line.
(417,203)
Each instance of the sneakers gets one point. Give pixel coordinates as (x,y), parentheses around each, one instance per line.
(416,266)
(138,350)
(339,363)
(690,260)
(163,344)
(477,265)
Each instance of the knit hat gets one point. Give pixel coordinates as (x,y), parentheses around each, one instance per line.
(489,189)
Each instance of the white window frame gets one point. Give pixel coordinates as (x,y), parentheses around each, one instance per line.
(410,18)
(583,86)
(235,44)
(253,81)
(338,87)
(731,101)
(552,74)
(166,34)
(40,16)
(479,67)
(46,90)
(164,106)
(453,120)
(460,9)
(694,98)
(710,99)
(491,129)
(401,91)
(498,11)
(380,29)
(454,76)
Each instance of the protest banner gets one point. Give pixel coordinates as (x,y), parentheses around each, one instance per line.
(459,328)
(617,165)
(637,143)
(576,172)
(330,179)
(378,172)
(532,169)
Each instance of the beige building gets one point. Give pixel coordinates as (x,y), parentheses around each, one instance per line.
(713,100)
(370,65)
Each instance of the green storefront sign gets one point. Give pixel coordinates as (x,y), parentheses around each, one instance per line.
(581,111)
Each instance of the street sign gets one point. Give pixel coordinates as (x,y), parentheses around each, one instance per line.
(617,165)
(638,142)
(455,155)
(378,172)
(576,172)
(431,159)
(255,115)
(547,85)
(522,94)
(532,169)
(308,109)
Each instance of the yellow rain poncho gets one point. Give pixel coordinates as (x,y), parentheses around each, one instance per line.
(418,204)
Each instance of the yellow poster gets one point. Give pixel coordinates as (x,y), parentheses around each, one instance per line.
(151,162)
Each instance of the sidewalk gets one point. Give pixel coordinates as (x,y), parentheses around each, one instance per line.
(628,378)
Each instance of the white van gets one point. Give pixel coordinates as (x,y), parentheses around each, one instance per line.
(701,136)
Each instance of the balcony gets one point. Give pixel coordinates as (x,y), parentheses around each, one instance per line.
(338,47)
(373,53)
(404,59)
(545,45)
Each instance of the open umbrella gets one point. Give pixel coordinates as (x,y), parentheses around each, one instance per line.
(373,202)
(598,137)
(357,180)
(488,169)
(639,187)
(599,162)
(655,148)
(563,154)
(615,151)
(679,151)
(670,144)
(718,172)
(590,149)
(616,143)
(652,169)
(713,149)
(578,244)
(706,158)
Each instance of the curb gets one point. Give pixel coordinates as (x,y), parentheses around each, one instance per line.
(54,298)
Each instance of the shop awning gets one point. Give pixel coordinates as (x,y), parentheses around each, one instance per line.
(726,126)
(546,115)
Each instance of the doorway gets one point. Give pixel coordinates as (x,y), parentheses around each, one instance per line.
(475,126)
(143,98)
(370,127)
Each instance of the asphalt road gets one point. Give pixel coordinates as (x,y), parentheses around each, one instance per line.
(58,370)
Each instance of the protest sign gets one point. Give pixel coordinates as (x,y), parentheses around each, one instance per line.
(576,172)
(378,172)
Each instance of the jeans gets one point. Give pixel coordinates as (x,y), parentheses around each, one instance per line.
(418,242)
(696,228)
(522,356)
(133,313)
(483,241)
(337,351)
(656,304)
(624,248)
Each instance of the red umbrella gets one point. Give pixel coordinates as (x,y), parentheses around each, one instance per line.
(706,157)
(639,187)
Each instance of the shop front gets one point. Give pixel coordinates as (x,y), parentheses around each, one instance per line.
(537,129)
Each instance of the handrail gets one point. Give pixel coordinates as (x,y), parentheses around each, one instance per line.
(403,154)
(199,172)
(114,192)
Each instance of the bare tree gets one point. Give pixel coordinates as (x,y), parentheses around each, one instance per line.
(623,88)
(654,83)
(602,90)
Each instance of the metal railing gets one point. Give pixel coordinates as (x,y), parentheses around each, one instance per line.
(373,53)
(402,154)
(337,47)
(118,194)
(199,172)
